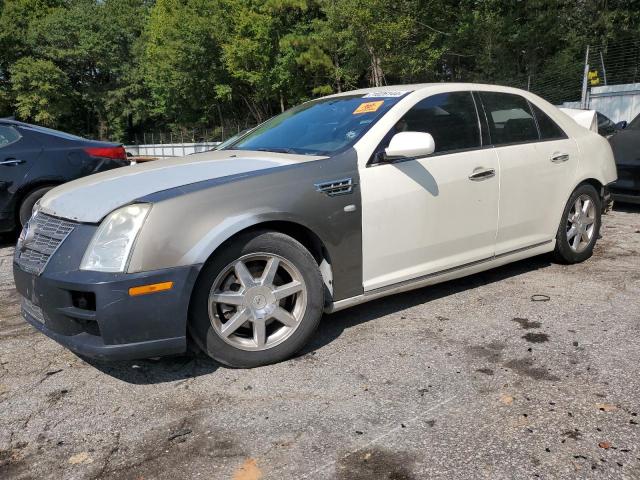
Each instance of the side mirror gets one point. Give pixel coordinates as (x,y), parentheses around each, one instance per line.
(621,125)
(410,144)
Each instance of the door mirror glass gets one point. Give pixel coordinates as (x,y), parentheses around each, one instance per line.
(410,144)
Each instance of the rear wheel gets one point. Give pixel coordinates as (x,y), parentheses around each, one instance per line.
(258,301)
(580,225)
(26,207)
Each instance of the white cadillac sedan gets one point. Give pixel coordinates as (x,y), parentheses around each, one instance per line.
(335,202)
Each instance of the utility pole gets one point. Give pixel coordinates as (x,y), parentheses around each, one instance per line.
(604,70)
(585,80)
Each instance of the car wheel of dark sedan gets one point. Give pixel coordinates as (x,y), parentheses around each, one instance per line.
(258,301)
(580,226)
(29,201)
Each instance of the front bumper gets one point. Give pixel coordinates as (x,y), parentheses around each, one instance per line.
(627,187)
(92,313)
(625,196)
(95,316)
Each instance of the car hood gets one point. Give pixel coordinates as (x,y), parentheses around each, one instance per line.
(91,198)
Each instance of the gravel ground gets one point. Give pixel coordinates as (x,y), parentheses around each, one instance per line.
(468,379)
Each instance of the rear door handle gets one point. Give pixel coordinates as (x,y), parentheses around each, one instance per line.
(560,157)
(482,173)
(10,162)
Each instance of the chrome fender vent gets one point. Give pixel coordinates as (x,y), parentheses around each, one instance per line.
(336,187)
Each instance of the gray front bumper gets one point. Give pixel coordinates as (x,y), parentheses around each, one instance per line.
(92,313)
(119,326)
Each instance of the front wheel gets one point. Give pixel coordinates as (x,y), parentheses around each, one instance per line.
(258,301)
(580,226)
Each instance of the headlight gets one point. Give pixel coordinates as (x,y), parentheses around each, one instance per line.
(111,245)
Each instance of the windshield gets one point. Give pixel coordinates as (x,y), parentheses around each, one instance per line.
(320,127)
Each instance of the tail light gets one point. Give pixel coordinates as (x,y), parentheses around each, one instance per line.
(116,153)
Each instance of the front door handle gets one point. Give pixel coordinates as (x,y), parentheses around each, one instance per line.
(559,157)
(482,173)
(11,162)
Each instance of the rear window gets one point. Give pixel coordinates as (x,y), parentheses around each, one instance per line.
(55,133)
(510,118)
(549,130)
(8,135)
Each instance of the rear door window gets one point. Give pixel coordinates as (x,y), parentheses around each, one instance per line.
(510,118)
(549,130)
(8,135)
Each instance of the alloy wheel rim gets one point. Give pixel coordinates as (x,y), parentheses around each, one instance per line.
(581,223)
(257,301)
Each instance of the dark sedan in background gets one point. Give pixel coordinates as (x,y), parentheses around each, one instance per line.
(35,159)
(626,149)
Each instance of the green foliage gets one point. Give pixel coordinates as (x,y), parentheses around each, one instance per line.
(40,89)
(114,68)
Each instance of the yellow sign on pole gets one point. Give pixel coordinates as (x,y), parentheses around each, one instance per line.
(594,79)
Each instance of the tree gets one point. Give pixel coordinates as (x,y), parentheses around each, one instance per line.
(41,91)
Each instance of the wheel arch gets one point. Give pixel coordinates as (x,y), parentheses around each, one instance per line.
(303,234)
(25,190)
(600,188)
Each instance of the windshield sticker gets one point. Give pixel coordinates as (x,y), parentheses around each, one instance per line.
(368,107)
(386,93)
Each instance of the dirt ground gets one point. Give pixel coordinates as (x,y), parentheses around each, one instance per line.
(474,378)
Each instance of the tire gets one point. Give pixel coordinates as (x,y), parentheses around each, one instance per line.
(585,226)
(232,334)
(24,213)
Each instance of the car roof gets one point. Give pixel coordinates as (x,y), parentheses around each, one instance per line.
(426,86)
(38,128)
(10,121)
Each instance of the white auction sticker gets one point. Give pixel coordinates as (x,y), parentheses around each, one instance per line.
(386,94)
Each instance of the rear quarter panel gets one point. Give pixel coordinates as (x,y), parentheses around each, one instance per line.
(596,159)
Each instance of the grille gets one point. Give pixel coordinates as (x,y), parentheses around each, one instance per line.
(39,240)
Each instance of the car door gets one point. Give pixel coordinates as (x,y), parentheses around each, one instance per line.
(626,150)
(426,215)
(16,159)
(536,162)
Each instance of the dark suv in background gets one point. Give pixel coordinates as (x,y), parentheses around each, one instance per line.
(35,159)
(626,150)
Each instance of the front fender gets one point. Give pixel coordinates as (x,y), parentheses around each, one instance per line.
(185,226)
(231,226)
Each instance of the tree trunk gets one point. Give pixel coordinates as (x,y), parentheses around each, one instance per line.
(377,75)
(255,110)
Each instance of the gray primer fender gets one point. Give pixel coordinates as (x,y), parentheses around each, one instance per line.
(186,224)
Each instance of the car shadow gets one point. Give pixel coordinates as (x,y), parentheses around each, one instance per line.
(161,370)
(8,239)
(196,364)
(332,326)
